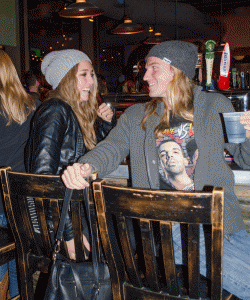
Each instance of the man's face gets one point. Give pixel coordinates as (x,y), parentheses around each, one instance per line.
(172,158)
(158,76)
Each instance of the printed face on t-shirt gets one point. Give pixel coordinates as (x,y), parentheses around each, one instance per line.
(178,155)
(172,157)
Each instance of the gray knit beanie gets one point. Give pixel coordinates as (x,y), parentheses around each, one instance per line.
(182,55)
(56,64)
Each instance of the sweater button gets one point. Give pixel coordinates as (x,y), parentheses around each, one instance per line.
(153,162)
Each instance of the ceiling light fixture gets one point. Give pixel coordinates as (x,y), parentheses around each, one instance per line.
(81,9)
(127,27)
(151,29)
(157,38)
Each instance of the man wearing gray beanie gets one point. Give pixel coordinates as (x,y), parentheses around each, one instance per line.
(182,55)
(180,112)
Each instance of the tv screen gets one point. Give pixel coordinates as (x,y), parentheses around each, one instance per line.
(7,23)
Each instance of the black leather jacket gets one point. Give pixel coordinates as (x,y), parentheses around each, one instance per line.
(56,140)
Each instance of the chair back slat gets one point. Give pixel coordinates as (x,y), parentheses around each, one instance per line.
(217,248)
(179,206)
(129,258)
(76,212)
(156,213)
(168,258)
(23,220)
(193,260)
(111,248)
(39,204)
(149,254)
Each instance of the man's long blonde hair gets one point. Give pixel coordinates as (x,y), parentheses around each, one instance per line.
(180,101)
(85,111)
(16,103)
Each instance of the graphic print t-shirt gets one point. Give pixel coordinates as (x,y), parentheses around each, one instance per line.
(178,154)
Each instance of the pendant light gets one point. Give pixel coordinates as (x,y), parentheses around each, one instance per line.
(127,27)
(157,38)
(81,9)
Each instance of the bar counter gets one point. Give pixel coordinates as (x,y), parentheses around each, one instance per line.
(242,191)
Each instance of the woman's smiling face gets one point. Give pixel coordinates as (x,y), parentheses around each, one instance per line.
(84,79)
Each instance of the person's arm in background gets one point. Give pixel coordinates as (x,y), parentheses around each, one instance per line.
(241,152)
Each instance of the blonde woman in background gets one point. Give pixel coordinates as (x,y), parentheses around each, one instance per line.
(16,111)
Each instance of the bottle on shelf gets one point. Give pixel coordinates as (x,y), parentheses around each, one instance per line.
(242,76)
(234,72)
(196,77)
(247,80)
(238,78)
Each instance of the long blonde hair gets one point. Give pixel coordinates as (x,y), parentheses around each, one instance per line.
(180,100)
(85,111)
(16,103)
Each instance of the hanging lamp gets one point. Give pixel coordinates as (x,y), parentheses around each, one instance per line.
(127,27)
(81,9)
(156,38)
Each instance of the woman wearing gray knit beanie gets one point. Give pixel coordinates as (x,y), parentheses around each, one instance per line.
(69,123)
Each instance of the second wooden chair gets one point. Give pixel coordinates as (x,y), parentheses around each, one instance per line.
(146,269)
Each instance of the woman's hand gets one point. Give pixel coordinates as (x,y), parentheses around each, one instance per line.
(73,176)
(71,247)
(105,112)
(245,119)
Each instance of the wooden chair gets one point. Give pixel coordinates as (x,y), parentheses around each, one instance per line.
(34,251)
(142,274)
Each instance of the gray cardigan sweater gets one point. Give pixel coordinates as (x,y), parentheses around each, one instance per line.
(128,137)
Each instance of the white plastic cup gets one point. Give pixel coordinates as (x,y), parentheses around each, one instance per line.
(236,133)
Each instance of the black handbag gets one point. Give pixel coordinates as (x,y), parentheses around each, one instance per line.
(70,280)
